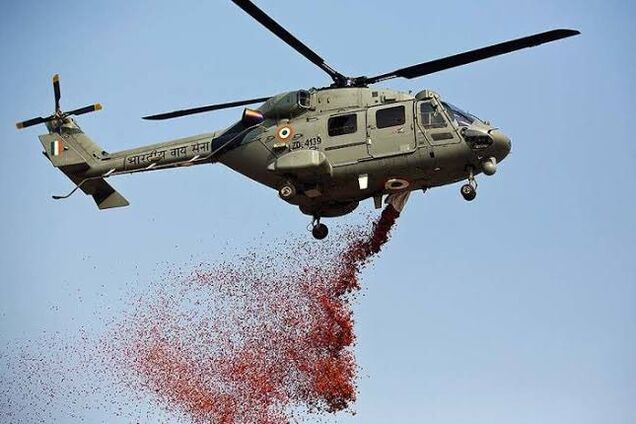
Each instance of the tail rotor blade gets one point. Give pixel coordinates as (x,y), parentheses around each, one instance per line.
(31,122)
(58,117)
(85,109)
(56,90)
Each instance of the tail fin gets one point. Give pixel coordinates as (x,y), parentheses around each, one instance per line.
(70,149)
(73,153)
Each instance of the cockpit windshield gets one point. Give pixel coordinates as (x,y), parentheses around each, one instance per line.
(462,118)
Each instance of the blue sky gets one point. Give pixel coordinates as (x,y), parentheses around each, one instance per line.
(517,307)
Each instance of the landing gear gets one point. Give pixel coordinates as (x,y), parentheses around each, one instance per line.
(287,191)
(469,191)
(318,230)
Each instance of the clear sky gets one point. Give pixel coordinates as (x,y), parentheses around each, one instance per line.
(518,307)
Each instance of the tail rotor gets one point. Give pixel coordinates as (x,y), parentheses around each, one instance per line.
(58,116)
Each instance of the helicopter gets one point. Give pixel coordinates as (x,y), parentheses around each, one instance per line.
(323,149)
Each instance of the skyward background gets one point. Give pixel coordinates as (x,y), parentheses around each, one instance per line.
(518,307)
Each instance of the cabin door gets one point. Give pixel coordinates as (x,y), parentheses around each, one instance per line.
(390,129)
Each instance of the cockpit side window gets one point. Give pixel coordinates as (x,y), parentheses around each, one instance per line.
(462,118)
(430,117)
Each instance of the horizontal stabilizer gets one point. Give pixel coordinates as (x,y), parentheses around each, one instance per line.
(104,194)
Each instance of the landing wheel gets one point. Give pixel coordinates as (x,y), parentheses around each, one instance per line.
(468,192)
(287,191)
(319,231)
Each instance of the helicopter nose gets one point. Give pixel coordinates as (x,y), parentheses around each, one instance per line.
(501,143)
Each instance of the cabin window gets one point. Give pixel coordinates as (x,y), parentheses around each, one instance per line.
(343,124)
(390,117)
(430,117)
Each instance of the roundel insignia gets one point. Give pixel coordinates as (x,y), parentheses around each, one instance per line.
(396,184)
(284,133)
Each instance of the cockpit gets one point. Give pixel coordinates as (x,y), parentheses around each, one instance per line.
(436,117)
(463,118)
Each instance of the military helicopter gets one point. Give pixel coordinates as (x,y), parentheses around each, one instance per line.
(324,149)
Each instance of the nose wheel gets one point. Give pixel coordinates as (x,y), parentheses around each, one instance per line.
(319,230)
(469,191)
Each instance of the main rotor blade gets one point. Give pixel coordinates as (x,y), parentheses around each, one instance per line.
(460,59)
(201,109)
(31,122)
(85,109)
(256,13)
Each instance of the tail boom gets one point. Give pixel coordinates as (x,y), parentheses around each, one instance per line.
(88,165)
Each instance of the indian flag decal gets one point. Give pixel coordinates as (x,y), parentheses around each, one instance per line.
(57,147)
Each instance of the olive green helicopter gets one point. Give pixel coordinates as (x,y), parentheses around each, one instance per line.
(324,149)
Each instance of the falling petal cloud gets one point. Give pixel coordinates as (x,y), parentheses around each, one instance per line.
(262,338)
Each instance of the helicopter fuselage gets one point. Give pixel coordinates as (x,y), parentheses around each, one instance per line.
(340,146)
(325,150)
